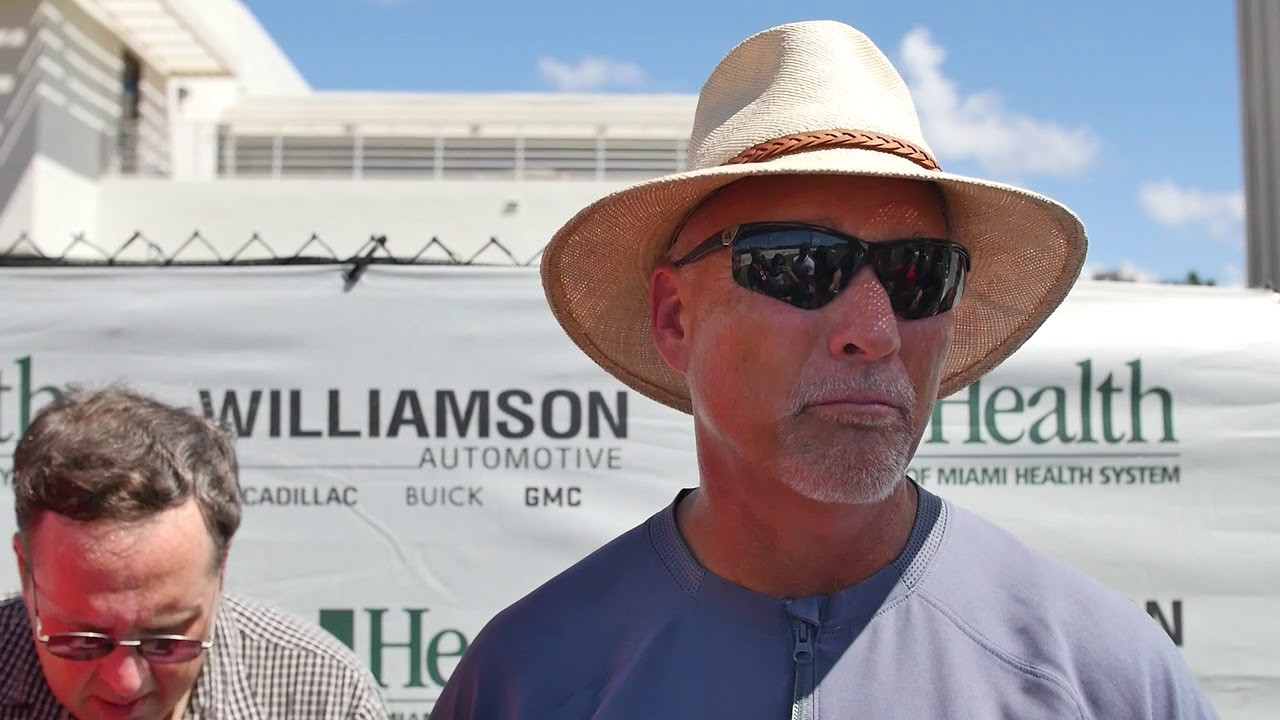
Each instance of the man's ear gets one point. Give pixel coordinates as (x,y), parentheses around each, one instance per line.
(20,552)
(667,317)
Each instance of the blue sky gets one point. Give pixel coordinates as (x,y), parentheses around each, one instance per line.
(1128,112)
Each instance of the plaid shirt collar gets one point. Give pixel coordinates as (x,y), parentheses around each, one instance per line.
(22,684)
(222,691)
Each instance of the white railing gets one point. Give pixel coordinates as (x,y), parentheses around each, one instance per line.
(359,157)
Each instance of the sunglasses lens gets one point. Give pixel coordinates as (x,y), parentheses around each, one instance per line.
(170,650)
(922,278)
(799,266)
(807,267)
(80,647)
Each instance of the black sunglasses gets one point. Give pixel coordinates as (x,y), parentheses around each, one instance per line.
(807,266)
(90,646)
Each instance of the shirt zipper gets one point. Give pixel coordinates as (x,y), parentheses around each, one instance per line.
(802,702)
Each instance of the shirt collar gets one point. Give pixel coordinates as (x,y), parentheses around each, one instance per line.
(22,684)
(853,606)
(222,691)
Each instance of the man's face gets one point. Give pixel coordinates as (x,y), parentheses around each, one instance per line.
(768,379)
(126,581)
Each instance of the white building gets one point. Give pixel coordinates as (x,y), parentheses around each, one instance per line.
(160,119)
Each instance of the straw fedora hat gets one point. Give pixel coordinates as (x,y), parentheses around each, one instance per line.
(807,98)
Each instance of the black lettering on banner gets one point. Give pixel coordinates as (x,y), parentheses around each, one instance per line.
(407,402)
(1171,623)
(301,495)
(597,408)
(274,404)
(335,417)
(513,414)
(552,496)
(542,458)
(493,457)
(506,429)
(1049,475)
(548,414)
(375,406)
(1141,474)
(229,415)
(295,417)
(517,459)
(440,496)
(447,407)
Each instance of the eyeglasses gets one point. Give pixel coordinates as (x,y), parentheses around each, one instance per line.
(90,646)
(807,266)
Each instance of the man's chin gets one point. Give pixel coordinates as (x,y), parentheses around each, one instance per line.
(847,487)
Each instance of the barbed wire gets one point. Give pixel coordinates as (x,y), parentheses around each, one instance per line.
(197,250)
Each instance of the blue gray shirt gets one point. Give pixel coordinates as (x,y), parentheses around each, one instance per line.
(967,623)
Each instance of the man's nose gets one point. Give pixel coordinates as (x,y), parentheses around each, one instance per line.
(862,323)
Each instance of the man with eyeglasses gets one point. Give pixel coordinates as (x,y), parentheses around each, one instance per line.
(805,576)
(126,509)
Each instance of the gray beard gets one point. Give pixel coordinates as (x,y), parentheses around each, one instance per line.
(852,463)
(863,469)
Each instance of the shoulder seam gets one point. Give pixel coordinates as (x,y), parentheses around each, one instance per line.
(295,636)
(999,653)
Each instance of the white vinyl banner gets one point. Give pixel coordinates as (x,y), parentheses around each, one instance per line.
(425,447)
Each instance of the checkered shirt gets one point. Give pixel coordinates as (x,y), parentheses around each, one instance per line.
(264,665)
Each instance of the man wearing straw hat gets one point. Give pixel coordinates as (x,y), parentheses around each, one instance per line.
(805,576)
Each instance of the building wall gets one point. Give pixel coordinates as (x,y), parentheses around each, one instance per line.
(344,213)
(19,208)
(196,106)
(64,123)
(19,97)
(1260,76)
(64,205)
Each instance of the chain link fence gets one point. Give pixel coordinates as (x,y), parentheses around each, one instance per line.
(197,250)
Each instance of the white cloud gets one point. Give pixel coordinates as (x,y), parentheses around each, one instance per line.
(591,73)
(1221,215)
(1125,271)
(977,127)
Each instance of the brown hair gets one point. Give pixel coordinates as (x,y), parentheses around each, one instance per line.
(114,454)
